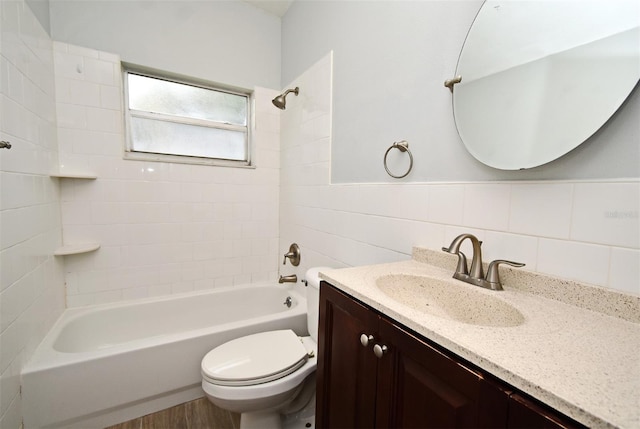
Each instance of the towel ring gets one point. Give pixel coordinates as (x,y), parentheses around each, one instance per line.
(402,146)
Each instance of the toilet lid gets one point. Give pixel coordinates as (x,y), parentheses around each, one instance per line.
(254,359)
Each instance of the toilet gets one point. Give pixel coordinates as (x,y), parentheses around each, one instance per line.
(269,377)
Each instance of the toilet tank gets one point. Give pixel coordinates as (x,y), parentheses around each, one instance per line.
(313,300)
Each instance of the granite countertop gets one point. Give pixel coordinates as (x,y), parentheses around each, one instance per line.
(577,350)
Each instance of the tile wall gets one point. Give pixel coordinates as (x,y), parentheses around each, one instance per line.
(163,228)
(31,278)
(586,231)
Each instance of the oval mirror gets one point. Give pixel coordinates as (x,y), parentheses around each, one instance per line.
(540,77)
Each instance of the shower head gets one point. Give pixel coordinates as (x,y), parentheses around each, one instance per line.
(280,101)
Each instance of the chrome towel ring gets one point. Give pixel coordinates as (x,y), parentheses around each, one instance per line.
(402,146)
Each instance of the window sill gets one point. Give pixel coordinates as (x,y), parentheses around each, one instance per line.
(176,159)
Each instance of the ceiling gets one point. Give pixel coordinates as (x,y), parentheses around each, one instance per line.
(275,7)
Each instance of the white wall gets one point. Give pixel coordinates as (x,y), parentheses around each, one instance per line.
(31,278)
(226,41)
(582,230)
(391,59)
(163,228)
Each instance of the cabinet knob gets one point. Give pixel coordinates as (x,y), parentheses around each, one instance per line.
(364,339)
(379,350)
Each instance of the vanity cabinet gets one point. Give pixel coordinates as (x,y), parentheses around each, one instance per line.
(373,372)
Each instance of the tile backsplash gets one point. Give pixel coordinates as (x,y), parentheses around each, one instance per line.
(582,230)
(163,228)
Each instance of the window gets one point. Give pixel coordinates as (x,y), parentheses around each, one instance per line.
(176,120)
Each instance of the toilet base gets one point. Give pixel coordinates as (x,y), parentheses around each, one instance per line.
(298,414)
(261,420)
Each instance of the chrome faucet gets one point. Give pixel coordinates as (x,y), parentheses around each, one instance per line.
(476,276)
(288,279)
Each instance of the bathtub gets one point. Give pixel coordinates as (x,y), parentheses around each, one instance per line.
(105,364)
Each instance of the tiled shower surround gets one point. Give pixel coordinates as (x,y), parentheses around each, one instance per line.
(31,278)
(163,228)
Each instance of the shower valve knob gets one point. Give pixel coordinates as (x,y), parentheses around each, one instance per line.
(293,254)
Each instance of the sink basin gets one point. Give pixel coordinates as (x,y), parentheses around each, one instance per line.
(459,302)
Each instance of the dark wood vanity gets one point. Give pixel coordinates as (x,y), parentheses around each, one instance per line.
(374,372)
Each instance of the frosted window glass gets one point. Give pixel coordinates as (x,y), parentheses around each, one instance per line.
(178,118)
(155,136)
(172,98)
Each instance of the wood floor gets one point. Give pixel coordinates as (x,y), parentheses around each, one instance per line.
(198,414)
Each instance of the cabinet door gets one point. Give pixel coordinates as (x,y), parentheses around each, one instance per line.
(346,374)
(420,387)
(525,413)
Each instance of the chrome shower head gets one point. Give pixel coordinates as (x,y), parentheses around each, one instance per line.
(280,101)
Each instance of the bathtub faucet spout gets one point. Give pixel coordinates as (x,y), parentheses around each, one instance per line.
(288,279)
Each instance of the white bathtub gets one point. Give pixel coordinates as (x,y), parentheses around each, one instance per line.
(105,364)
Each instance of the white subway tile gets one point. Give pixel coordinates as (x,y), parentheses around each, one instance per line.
(268,158)
(541,209)
(72,283)
(103,119)
(15,83)
(8,272)
(82,51)
(625,270)
(85,93)
(77,300)
(71,116)
(15,299)
(107,213)
(110,97)
(76,213)
(135,293)
(487,206)
(4,75)
(446,204)
(512,247)
(578,261)
(93,281)
(69,65)
(107,257)
(147,213)
(186,287)
(607,213)
(100,71)
(107,297)
(107,56)
(12,417)
(10,388)
(192,271)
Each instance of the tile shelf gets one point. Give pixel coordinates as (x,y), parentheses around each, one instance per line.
(65,175)
(74,249)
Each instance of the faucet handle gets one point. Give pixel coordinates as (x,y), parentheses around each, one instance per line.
(493,275)
(461,268)
(293,254)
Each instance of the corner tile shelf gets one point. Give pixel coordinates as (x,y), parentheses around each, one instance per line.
(87,176)
(74,249)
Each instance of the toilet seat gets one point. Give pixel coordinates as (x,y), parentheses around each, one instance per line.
(255,359)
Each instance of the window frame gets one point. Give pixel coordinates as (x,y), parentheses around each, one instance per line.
(131,154)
